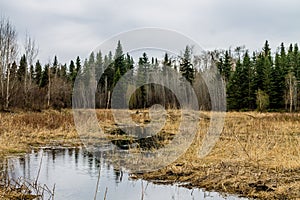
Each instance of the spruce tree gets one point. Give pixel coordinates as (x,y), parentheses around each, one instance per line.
(224,66)
(249,93)
(78,66)
(72,72)
(21,73)
(45,77)
(186,66)
(63,72)
(119,63)
(54,69)
(277,84)
(99,65)
(143,67)
(119,59)
(38,72)
(267,68)
(296,63)
(235,88)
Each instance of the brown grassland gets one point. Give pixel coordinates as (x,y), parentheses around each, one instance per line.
(256,156)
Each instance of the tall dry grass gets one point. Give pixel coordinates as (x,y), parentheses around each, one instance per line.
(257,154)
(23,130)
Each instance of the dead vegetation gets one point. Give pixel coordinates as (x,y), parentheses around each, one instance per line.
(21,131)
(256,156)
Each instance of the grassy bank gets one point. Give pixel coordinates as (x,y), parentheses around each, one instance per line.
(21,131)
(257,154)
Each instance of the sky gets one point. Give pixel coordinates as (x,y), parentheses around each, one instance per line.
(72,28)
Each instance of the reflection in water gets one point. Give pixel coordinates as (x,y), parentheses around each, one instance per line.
(75,172)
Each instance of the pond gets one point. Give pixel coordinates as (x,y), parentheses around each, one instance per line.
(75,172)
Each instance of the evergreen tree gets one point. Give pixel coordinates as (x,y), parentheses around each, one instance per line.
(63,72)
(109,72)
(45,76)
(143,67)
(22,69)
(267,68)
(38,72)
(259,71)
(13,70)
(186,66)
(248,82)
(99,65)
(224,66)
(290,59)
(119,59)
(129,62)
(277,84)
(55,65)
(119,64)
(296,63)
(166,63)
(282,62)
(235,88)
(72,72)
(78,65)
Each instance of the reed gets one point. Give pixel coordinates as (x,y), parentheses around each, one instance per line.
(257,154)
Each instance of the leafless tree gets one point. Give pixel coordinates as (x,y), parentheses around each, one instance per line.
(8,54)
(291,84)
(31,52)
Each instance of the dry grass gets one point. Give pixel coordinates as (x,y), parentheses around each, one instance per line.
(21,131)
(257,154)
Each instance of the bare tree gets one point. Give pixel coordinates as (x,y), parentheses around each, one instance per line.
(291,84)
(31,52)
(8,54)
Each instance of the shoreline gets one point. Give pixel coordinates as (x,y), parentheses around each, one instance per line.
(256,156)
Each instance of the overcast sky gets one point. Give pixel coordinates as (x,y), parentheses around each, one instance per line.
(68,28)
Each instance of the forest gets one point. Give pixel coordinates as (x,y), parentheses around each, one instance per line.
(263,80)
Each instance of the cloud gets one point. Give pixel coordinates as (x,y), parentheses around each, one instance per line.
(75,27)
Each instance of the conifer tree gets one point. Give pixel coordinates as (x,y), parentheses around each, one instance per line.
(186,67)
(22,69)
(72,72)
(38,72)
(45,76)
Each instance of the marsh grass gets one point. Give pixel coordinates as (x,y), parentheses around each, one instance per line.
(257,154)
(22,131)
(20,188)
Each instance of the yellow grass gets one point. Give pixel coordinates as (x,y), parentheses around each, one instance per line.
(257,154)
(21,131)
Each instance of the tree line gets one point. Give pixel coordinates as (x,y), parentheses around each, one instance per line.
(263,80)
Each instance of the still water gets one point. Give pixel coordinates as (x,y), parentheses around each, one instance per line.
(75,172)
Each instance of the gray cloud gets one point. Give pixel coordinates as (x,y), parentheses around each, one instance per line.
(76,27)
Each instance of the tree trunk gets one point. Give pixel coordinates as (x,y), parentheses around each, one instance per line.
(7,89)
(108,99)
(49,88)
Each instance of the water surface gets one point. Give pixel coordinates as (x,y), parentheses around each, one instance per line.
(75,172)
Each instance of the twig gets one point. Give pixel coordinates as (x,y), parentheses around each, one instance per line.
(142,191)
(98,180)
(53,192)
(40,166)
(242,147)
(105,193)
